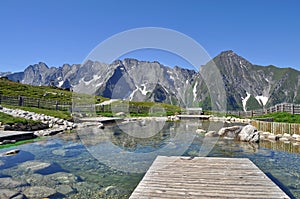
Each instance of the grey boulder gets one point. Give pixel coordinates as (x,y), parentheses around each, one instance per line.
(249,134)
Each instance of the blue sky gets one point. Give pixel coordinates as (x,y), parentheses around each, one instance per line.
(65,31)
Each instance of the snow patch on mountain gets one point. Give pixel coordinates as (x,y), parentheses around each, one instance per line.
(195,91)
(60,83)
(262,100)
(244,101)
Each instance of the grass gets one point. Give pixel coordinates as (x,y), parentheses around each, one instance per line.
(143,109)
(11,88)
(282,117)
(19,143)
(8,119)
(59,114)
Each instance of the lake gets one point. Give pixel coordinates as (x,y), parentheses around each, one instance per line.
(109,163)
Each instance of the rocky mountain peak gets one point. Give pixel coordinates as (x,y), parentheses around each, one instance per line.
(230,60)
(247,86)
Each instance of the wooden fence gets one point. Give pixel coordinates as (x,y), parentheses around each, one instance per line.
(35,102)
(74,106)
(283,107)
(277,127)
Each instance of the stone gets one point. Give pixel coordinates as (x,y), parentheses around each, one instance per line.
(39,192)
(34,165)
(249,134)
(8,141)
(295,136)
(64,189)
(266,133)
(59,152)
(9,183)
(283,139)
(111,192)
(120,114)
(62,178)
(262,137)
(211,134)
(11,152)
(286,135)
(6,193)
(101,126)
(200,131)
(230,131)
(273,137)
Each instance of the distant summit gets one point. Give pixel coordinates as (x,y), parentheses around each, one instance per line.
(247,86)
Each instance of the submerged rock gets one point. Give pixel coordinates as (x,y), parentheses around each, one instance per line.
(61,178)
(39,192)
(7,193)
(9,183)
(34,165)
(64,189)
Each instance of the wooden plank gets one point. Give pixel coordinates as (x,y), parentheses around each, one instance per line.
(202,177)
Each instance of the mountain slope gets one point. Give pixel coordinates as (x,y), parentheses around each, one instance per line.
(247,86)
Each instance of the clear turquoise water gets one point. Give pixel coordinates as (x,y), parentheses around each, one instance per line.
(110,163)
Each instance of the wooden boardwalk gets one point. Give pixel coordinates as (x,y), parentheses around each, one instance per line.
(202,177)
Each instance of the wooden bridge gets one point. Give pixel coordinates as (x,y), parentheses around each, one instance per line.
(202,177)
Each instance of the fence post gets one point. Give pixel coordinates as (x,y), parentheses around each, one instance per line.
(293,108)
(39,103)
(20,100)
(56,105)
(0,99)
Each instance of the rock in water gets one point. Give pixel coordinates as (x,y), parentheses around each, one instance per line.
(200,131)
(33,166)
(211,134)
(101,126)
(6,193)
(11,152)
(230,132)
(249,134)
(39,192)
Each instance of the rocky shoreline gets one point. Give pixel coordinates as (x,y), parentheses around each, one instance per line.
(250,133)
(46,125)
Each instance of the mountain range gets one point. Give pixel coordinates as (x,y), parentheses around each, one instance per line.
(247,86)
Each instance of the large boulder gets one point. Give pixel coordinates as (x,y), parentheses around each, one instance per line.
(230,132)
(249,134)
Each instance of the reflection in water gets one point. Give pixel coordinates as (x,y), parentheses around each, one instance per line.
(97,163)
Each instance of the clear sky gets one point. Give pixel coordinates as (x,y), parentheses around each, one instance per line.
(65,31)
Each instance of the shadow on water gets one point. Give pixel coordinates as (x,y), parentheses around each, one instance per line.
(11,161)
(281,185)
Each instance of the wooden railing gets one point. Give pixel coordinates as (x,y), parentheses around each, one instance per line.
(35,102)
(283,107)
(86,107)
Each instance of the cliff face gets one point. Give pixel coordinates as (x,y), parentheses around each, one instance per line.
(247,86)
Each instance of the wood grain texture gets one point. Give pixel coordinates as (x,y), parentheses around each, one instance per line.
(202,177)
